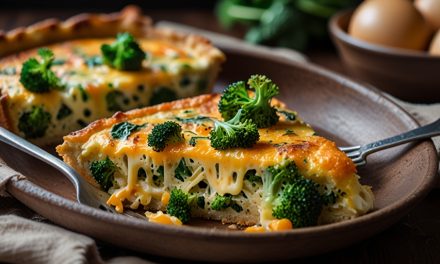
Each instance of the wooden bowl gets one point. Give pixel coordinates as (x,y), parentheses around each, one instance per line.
(409,75)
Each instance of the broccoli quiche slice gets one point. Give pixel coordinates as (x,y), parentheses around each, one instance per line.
(57,77)
(289,176)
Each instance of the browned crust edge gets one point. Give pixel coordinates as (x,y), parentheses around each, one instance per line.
(129,19)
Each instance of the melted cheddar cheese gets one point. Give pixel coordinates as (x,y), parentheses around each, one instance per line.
(217,172)
(94,90)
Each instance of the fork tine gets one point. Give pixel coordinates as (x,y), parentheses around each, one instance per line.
(349,149)
(353,154)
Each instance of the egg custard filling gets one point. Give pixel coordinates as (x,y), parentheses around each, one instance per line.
(90,89)
(190,178)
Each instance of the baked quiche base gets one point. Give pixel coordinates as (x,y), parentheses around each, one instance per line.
(178,65)
(212,172)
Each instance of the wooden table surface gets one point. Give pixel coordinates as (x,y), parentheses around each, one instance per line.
(414,239)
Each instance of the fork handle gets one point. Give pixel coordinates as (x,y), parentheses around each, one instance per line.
(15,141)
(422,132)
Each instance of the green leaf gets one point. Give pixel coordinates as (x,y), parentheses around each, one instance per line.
(123,130)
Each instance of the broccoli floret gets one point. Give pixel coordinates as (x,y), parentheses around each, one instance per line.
(34,123)
(221,202)
(234,133)
(300,202)
(258,108)
(37,76)
(103,172)
(180,204)
(165,134)
(289,195)
(123,54)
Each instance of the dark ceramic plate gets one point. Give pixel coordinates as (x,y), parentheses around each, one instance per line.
(338,108)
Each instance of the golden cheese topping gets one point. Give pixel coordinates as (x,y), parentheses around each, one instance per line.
(94,90)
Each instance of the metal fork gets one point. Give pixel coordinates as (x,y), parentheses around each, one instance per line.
(86,193)
(359,153)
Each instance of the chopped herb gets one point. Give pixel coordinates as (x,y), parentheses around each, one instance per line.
(81,122)
(84,94)
(182,171)
(142,175)
(162,95)
(93,61)
(193,140)
(195,120)
(8,71)
(59,62)
(289,132)
(158,179)
(163,68)
(201,202)
(202,185)
(113,100)
(236,207)
(202,85)
(252,177)
(63,112)
(290,116)
(185,81)
(87,112)
(185,66)
(123,130)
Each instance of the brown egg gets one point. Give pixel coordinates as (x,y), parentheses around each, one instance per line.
(434,49)
(394,23)
(430,10)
